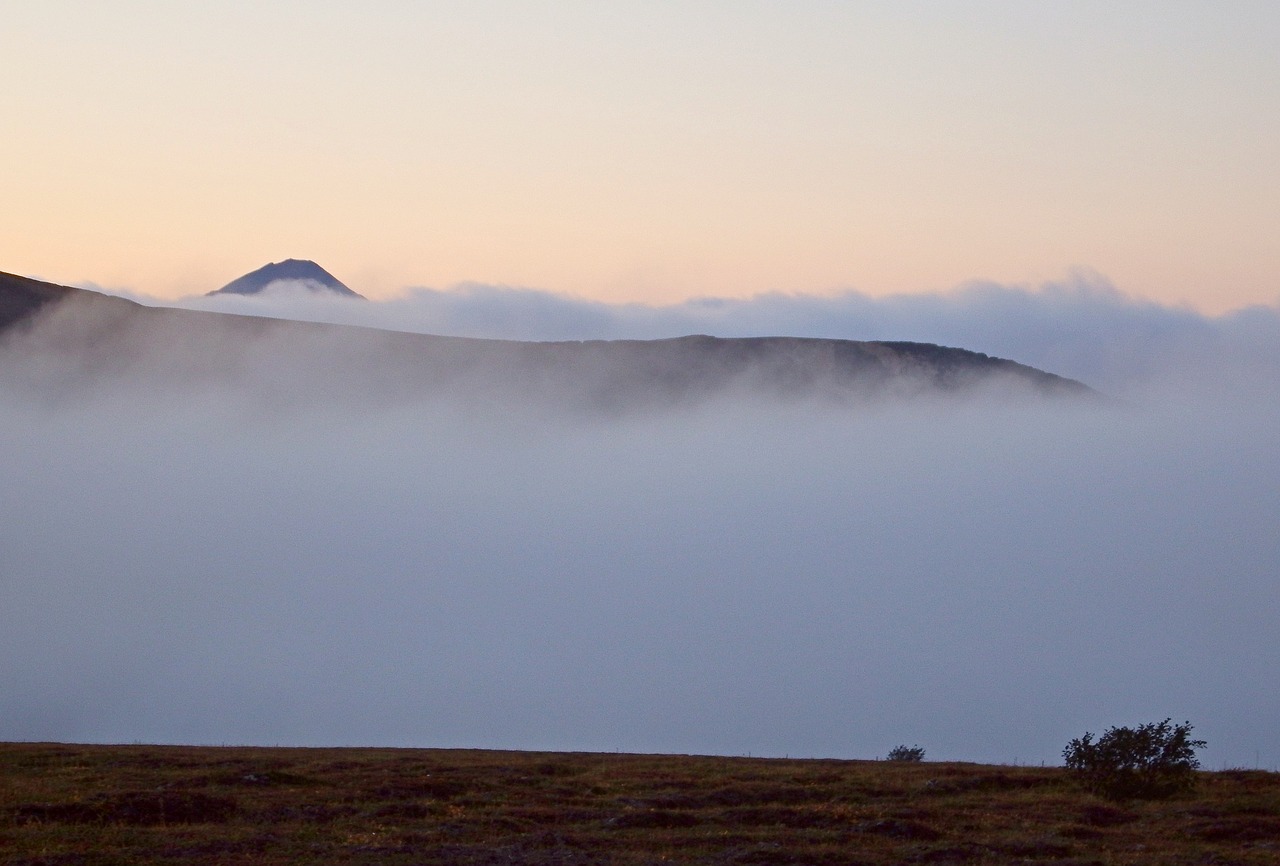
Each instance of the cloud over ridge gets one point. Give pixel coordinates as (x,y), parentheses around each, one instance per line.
(1081,326)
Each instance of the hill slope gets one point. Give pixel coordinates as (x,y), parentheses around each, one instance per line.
(22,297)
(93,335)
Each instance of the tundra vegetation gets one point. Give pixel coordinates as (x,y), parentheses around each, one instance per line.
(100,805)
(906,753)
(1150,761)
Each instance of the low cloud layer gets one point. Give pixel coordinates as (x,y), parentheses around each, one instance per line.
(211,565)
(1082,327)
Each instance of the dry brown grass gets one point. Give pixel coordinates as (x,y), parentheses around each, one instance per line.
(99,805)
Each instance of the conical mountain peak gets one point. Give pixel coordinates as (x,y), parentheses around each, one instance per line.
(302,271)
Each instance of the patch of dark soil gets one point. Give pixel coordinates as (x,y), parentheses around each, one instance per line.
(1106,816)
(309,813)
(652,818)
(551,839)
(483,855)
(546,816)
(764,855)
(770,854)
(985,782)
(1035,849)
(341,766)
(408,811)
(431,788)
(489,825)
(758,795)
(70,860)
(559,769)
(1259,776)
(1228,810)
(1253,828)
(161,761)
(778,816)
(950,854)
(264,779)
(1002,853)
(823,779)
(46,758)
(899,828)
(1078,831)
(218,848)
(665,801)
(137,808)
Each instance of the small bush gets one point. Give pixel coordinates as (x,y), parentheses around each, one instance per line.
(907,754)
(1147,762)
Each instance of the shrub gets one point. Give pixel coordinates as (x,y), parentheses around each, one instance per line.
(909,754)
(1147,762)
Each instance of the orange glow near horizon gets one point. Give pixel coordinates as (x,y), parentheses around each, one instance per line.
(638,155)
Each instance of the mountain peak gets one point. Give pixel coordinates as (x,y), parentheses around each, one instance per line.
(302,271)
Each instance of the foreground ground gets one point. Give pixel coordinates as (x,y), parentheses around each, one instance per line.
(98,805)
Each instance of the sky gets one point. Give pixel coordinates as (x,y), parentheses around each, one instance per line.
(1089,188)
(647,152)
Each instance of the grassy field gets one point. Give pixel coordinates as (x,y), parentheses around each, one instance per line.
(67,804)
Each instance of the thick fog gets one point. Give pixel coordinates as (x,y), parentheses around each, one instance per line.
(210,562)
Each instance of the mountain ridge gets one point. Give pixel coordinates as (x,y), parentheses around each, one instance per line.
(95,333)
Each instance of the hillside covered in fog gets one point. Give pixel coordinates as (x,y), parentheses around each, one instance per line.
(81,336)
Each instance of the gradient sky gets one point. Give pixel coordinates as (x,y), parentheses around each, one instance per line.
(646,151)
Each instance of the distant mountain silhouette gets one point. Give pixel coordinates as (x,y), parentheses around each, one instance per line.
(92,335)
(302,271)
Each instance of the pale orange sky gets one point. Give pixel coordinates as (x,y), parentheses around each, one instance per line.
(646,152)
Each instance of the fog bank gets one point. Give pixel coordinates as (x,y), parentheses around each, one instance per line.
(212,565)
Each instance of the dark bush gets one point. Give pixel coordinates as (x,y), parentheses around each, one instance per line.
(909,754)
(1147,762)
